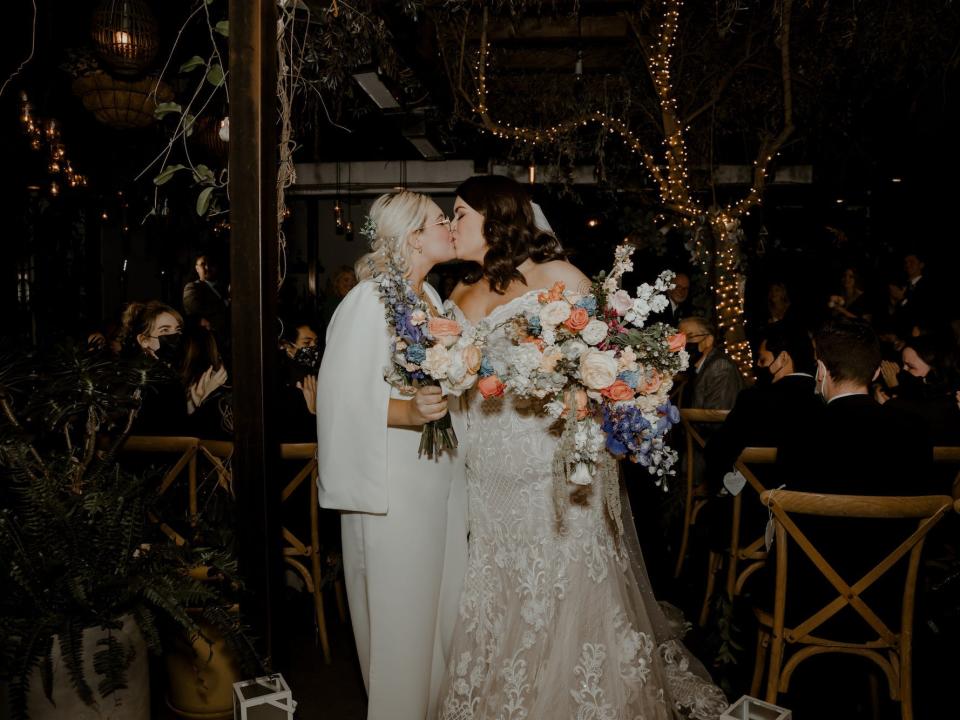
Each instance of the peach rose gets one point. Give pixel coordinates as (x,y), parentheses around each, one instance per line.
(555,293)
(578,319)
(548,363)
(651,383)
(677,342)
(618,391)
(581,400)
(490,386)
(472,357)
(444,331)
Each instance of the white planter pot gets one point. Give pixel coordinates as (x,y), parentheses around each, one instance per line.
(130,704)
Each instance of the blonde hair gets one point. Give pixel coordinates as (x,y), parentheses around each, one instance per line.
(393,217)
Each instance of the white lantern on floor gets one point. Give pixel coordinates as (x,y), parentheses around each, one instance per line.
(750,708)
(263,698)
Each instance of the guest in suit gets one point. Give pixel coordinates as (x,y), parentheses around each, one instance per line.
(680,306)
(203,299)
(713,383)
(854,446)
(715,380)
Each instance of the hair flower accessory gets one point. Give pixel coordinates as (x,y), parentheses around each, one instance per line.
(369,228)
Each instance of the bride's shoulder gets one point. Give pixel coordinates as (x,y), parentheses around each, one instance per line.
(554,271)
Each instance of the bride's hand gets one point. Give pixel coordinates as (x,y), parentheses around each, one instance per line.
(427,405)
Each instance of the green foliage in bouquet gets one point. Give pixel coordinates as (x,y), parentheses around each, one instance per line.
(77,548)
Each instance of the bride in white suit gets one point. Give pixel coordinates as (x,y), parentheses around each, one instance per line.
(404,518)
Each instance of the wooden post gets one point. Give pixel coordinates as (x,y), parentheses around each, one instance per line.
(253,270)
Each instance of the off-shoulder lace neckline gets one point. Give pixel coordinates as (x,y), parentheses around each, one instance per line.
(496,309)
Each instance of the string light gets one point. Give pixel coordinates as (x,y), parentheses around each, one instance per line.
(670,173)
(47,132)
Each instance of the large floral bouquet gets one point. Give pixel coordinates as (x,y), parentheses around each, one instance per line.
(600,368)
(426,349)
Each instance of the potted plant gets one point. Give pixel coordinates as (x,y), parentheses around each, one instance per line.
(90,582)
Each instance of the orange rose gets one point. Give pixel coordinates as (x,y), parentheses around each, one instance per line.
(581,400)
(578,319)
(536,341)
(472,357)
(444,331)
(677,342)
(618,391)
(651,384)
(555,293)
(490,386)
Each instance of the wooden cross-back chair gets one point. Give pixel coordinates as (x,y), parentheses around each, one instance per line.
(753,553)
(296,552)
(949,455)
(891,648)
(695,496)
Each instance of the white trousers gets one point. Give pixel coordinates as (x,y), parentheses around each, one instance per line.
(404,572)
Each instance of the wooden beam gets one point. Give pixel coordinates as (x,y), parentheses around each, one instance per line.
(555,28)
(253,266)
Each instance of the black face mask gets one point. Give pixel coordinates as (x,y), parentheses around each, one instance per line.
(170,350)
(694,352)
(909,386)
(308,357)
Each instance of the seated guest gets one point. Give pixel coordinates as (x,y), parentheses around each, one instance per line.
(299,364)
(765,415)
(153,330)
(926,387)
(714,379)
(713,383)
(775,408)
(853,446)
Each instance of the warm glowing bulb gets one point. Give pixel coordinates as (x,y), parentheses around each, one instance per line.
(122,38)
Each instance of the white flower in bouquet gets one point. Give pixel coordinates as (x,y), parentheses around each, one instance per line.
(418,317)
(628,360)
(620,302)
(597,369)
(437,362)
(549,359)
(554,313)
(548,335)
(526,359)
(573,349)
(594,332)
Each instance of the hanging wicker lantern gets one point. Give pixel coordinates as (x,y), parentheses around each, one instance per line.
(125,34)
(121,103)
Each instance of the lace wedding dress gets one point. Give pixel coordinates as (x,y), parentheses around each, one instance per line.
(554,623)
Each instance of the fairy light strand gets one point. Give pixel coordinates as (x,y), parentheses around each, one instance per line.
(670,173)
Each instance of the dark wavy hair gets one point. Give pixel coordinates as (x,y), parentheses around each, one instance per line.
(509,229)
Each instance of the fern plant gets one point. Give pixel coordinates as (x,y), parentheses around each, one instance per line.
(76,545)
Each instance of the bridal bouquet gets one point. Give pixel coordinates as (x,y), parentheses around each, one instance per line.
(426,350)
(600,368)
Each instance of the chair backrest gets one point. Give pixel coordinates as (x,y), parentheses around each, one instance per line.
(753,552)
(785,504)
(949,455)
(689,416)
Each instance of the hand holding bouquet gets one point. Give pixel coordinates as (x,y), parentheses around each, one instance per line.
(426,349)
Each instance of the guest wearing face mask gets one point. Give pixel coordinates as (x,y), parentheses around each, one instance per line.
(855,445)
(926,387)
(299,363)
(153,330)
(715,380)
(780,404)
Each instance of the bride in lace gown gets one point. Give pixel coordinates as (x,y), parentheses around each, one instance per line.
(554,623)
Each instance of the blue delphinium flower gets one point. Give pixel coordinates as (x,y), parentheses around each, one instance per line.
(416,354)
(486,368)
(588,303)
(630,377)
(533,324)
